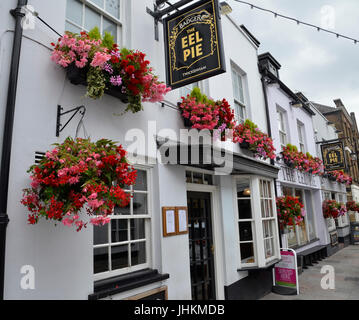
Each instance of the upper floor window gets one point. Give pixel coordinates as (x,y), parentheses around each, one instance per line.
(301,136)
(85,15)
(123,245)
(282,128)
(238,81)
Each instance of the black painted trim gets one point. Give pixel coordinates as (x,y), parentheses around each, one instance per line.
(133,280)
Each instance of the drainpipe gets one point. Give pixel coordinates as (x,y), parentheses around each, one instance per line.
(7,138)
(270,135)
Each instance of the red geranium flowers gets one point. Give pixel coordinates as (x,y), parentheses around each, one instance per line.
(77,175)
(290,211)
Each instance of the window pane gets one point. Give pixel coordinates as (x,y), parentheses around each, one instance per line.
(245,231)
(98,2)
(123,210)
(119,231)
(74,11)
(70,27)
(119,256)
(310,215)
(268,229)
(141,181)
(268,248)
(247,253)
(113,7)
(138,229)
(244,209)
(92,19)
(100,234)
(197,177)
(140,203)
(287,191)
(138,253)
(110,27)
(243,188)
(292,237)
(208,179)
(100,260)
(303,237)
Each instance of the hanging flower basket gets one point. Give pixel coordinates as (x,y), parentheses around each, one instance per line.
(104,68)
(79,77)
(333,209)
(79,176)
(290,211)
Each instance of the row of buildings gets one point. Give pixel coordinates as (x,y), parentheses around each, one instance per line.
(234,238)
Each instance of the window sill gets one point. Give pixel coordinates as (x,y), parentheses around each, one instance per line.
(133,280)
(305,244)
(269,265)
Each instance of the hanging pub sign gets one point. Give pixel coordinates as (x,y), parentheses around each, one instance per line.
(333,156)
(193,44)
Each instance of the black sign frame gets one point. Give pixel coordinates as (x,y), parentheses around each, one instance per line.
(221,65)
(326,148)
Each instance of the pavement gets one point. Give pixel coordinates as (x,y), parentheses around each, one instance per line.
(346,267)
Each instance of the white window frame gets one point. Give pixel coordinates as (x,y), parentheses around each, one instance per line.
(103,14)
(240,103)
(257,222)
(282,127)
(301,136)
(148,232)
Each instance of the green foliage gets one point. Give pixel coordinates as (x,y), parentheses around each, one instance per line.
(292,148)
(108,40)
(95,34)
(96,82)
(251,125)
(200,97)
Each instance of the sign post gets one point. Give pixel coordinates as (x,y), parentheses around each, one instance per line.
(193,44)
(286,273)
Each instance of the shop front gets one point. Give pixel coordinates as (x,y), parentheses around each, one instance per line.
(304,187)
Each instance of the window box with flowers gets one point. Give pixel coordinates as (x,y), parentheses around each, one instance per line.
(333,209)
(79,176)
(303,162)
(202,113)
(98,63)
(341,177)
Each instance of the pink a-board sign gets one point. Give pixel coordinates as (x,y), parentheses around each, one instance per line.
(286,271)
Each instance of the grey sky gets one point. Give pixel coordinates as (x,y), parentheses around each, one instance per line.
(323,67)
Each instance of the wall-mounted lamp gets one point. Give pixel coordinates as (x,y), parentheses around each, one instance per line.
(225,8)
(296,104)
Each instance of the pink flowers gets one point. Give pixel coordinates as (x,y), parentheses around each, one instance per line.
(302,162)
(341,177)
(99,59)
(79,176)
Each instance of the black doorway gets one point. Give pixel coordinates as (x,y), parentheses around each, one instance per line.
(201,246)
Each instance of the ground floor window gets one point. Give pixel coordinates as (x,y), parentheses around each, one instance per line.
(257,221)
(123,245)
(305,232)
